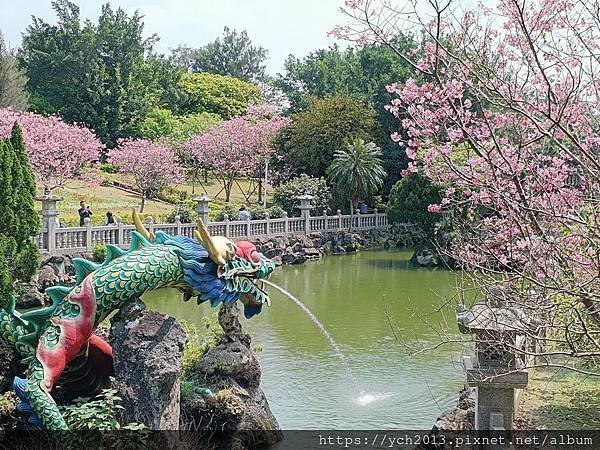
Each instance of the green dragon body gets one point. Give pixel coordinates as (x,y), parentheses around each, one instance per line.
(210,268)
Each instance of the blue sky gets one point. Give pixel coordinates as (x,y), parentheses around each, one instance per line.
(281,26)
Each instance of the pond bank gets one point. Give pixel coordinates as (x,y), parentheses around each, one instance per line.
(296,249)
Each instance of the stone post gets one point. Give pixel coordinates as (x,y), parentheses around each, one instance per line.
(50,214)
(178,223)
(150,224)
(226,217)
(305,207)
(497,372)
(340,219)
(286,228)
(203,208)
(120,238)
(89,244)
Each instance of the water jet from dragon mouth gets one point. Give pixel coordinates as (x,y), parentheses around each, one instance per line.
(334,345)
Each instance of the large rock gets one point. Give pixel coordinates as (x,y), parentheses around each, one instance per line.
(147,351)
(460,419)
(9,365)
(29,296)
(237,415)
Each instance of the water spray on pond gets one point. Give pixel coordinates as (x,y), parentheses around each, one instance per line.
(363,399)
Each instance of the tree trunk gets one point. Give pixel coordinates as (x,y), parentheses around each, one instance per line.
(260,189)
(143,204)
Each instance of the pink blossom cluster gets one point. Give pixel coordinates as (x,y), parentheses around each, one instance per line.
(505,114)
(152,165)
(238,146)
(57,150)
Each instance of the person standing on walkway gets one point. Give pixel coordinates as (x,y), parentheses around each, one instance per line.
(84,212)
(244,214)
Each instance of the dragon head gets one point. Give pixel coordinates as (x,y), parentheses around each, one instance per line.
(240,266)
(217,269)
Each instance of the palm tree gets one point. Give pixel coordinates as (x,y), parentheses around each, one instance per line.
(357,171)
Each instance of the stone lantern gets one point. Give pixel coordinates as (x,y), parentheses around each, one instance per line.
(305,205)
(497,370)
(203,209)
(50,214)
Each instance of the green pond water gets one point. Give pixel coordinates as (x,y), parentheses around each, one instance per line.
(307,385)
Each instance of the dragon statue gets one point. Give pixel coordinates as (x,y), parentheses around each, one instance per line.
(58,339)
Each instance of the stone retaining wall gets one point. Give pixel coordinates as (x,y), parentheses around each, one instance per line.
(298,249)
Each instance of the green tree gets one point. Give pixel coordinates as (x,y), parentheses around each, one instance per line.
(310,142)
(217,94)
(286,194)
(409,199)
(18,218)
(233,54)
(12,80)
(102,75)
(362,74)
(357,171)
(161,122)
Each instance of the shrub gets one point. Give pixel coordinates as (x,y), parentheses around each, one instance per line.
(231,209)
(260,212)
(97,414)
(109,168)
(99,252)
(171,194)
(199,343)
(286,194)
(186,214)
(409,199)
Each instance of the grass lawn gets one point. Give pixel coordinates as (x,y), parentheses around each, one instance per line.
(105,198)
(102,199)
(560,400)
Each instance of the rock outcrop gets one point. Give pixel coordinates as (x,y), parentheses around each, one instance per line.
(54,270)
(237,414)
(296,249)
(10,364)
(459,419)
(147,352)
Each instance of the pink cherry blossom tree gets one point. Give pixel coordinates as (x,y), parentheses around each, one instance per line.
(238,146)
(153,166)
(57,151)
(505,114)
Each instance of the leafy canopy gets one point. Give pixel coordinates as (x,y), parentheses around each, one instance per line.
(12,80)
(309,144)
(233,54)
(161,122)
(362,73)
(357,170)
(100,74)
(217,94)
(410,199)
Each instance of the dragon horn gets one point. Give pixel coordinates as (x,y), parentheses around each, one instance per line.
(139,226)
(203,236)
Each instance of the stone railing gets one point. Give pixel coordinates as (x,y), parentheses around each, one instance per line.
(65,240)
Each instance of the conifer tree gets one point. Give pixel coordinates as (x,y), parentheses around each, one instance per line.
(19,221)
